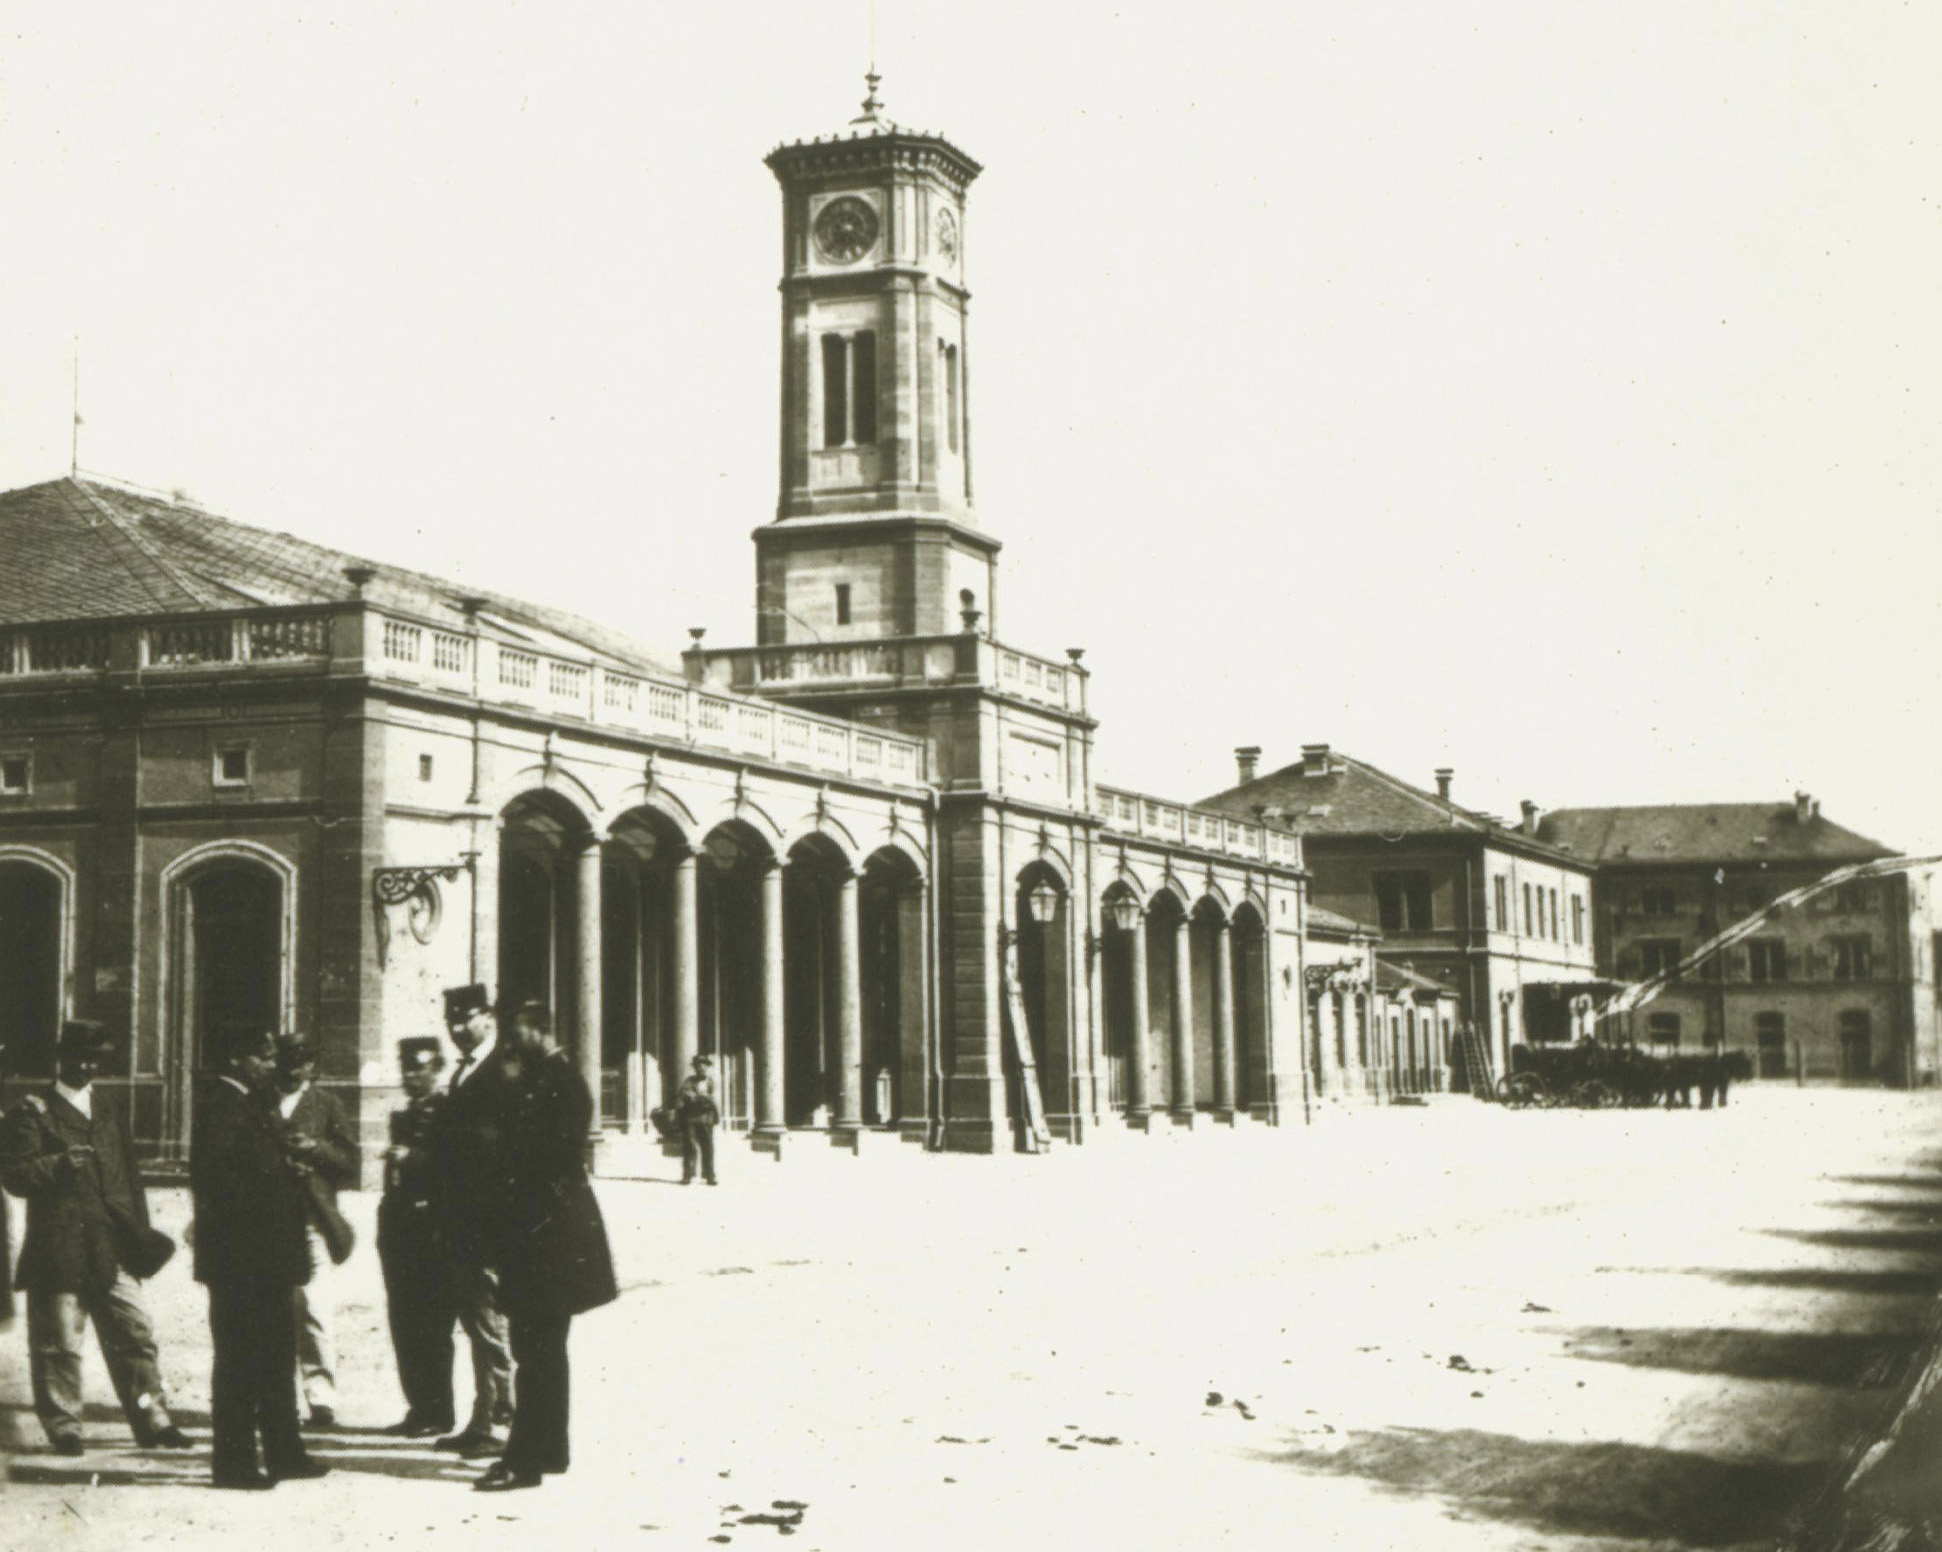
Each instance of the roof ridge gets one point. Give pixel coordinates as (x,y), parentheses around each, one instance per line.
(124,527)
(1397,784)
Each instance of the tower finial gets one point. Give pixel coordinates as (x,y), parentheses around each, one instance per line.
(872,104)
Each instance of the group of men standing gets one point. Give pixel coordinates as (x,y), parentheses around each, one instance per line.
(488,1221)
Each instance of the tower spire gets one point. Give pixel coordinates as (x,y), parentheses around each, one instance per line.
(872,104)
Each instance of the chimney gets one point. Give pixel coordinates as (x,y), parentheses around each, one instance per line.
(1247,760)
(1444,776)
(1530,816)
(1314,759)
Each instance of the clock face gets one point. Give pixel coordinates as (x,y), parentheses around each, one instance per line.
(846,229)
(947,236)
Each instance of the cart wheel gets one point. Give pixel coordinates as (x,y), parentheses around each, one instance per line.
(1594,1094)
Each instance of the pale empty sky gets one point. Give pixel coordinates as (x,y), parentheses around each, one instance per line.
(1547,391)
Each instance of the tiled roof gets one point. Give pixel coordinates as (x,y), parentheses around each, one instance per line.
(1350,798)
(1706,832)
(1321,919)
(85,549)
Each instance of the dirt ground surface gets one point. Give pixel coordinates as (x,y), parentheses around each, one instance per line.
(1448,1327)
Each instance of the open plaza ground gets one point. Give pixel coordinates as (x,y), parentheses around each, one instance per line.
(1437,1327)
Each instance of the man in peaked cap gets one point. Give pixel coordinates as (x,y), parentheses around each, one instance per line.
(417,1283)
(470,1178)
(66,1149)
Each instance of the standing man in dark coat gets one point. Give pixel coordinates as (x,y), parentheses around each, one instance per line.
(66,1149)
(251,1254)
(321,1140)
(551,1245)
(417,1282)
(698,1111)
(470,1176)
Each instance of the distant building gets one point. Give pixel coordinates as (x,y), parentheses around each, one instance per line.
(1497,915)
(1842,987)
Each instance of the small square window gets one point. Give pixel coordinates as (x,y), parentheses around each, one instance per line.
(424,767)
(232,766)
(16,773)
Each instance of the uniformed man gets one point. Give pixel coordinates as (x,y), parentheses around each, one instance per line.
(549,1243)
(250,1253)
(325,1148)
(66,1149)
(698,1113)
(417,1283)
(469,1176)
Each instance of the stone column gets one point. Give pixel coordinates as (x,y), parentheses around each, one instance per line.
(769,1054)
(1183,1023)
(587,1022)
(849,1008)
(1139,1039)
(682,926)
(1224,1023)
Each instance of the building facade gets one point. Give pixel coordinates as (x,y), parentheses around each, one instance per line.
(1495,914)
(1840,987)
(249,780)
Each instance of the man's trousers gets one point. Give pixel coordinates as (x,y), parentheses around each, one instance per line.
(253,1382)
(56,1327)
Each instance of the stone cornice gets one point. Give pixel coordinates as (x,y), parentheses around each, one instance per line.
(900,150)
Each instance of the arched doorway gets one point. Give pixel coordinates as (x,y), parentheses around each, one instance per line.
(1122,992)
(822,1084)
(541,838)
(1169,1005)
(730,869)
(230,965)
(1039,1066)
(1253,1094)
(1207,942)
(645,870)
(890,908)
(30,967)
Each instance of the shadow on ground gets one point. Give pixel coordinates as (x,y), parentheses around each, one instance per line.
(1590,1489)
(1840,1358)
(1898,1283)
(1925,1241)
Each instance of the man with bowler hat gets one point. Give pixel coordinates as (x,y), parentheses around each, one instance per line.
(67,1150)
(549,1243)
(417,1282)
(251,1254)
(469,1174)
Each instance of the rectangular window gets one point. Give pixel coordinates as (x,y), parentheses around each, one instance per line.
(1502,902)
(836,390)
(1578,919)
(1770,1035)
(16,773)
(1530,929)
(842,603)
(1403,901)
(1851,959)
(952,412)
(1554,916)
(863,387)
(1767,959)
(424,767)
(1663,901)
(1658,956)
(232,766)
(1662,1028)
(1854,897)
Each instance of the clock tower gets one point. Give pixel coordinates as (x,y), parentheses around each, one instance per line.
(874,535)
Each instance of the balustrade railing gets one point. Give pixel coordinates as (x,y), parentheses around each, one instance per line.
(415,651)
(909,660)
(1134,813)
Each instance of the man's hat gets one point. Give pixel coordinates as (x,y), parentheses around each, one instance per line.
(294,1050)
(416,1052)
(83,1034)
(703,1059)
(461,1002)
